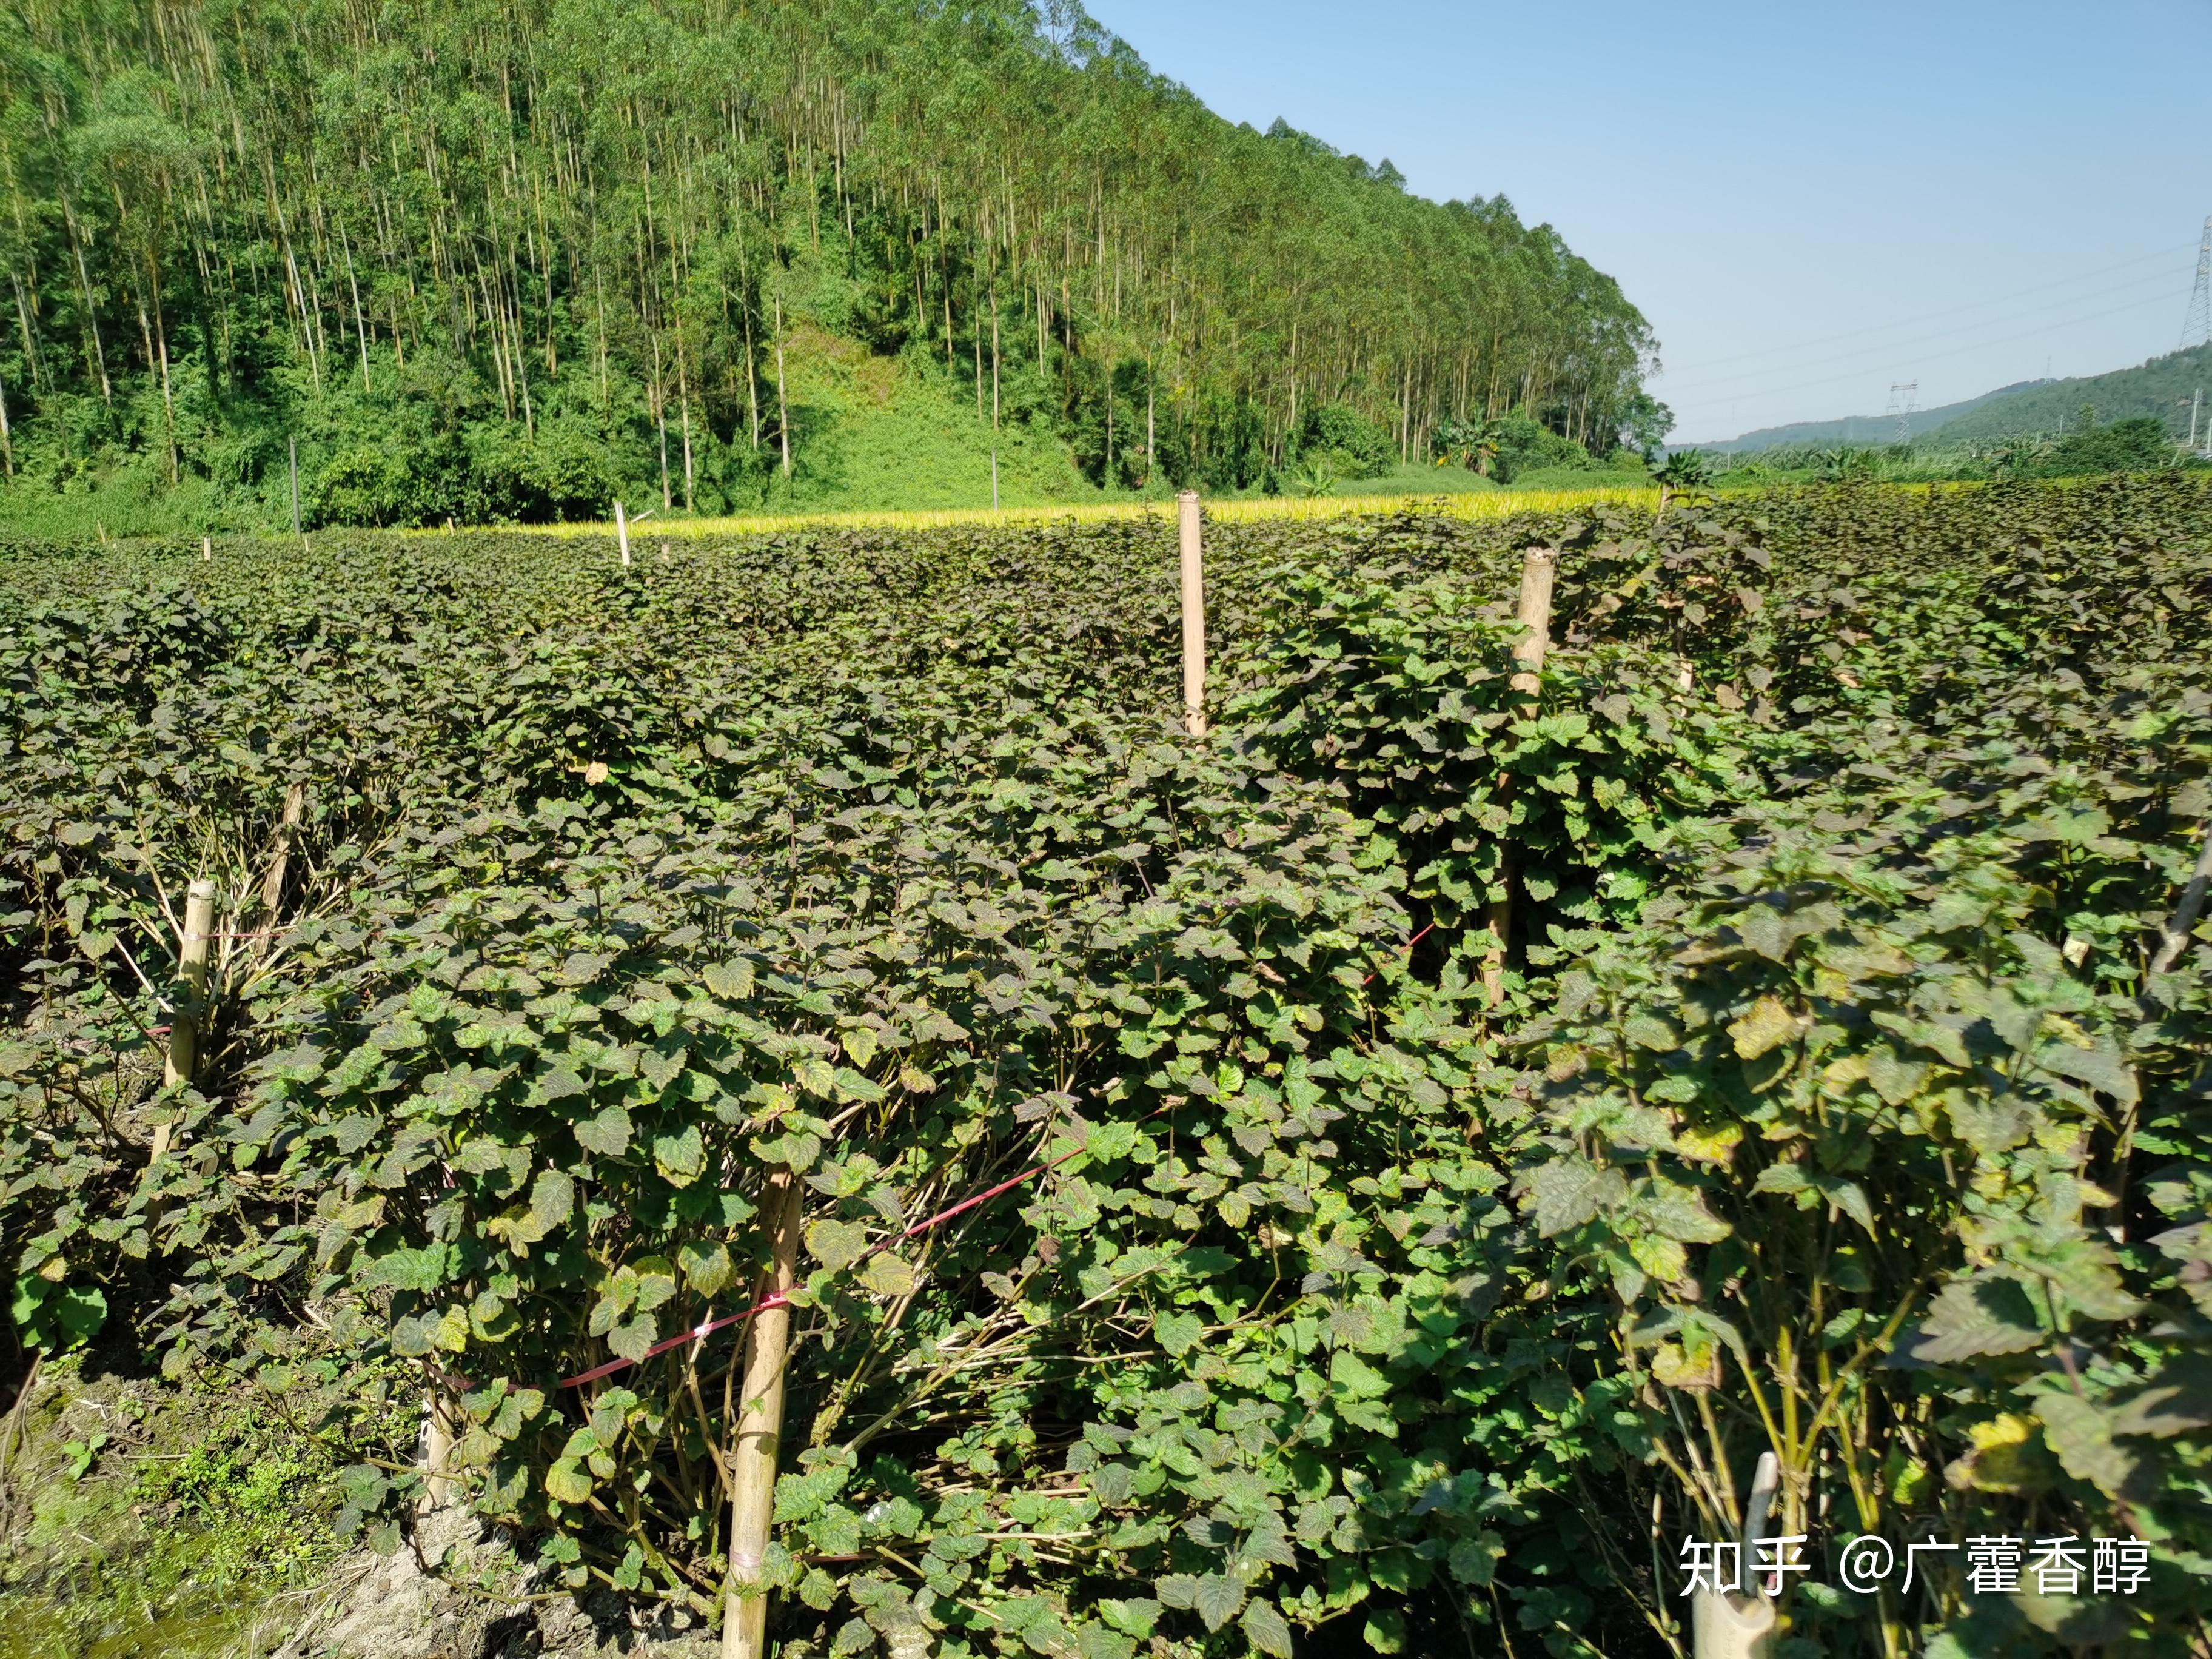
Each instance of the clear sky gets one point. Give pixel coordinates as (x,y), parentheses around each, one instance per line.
(1809,203)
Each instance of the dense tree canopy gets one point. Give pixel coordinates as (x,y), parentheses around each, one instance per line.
(497,260)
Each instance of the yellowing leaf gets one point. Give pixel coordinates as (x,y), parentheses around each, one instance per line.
(1692,1369)
(2007,1456)
(1717,1144)
(887,1275)
(1664,1259)
(1767,1024)
(836,1244)
(707,1267)
(567,1483)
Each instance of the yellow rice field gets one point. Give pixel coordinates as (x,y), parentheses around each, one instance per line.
(1486,505)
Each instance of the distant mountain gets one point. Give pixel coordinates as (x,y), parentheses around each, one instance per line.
(1860,429)
(2159,386)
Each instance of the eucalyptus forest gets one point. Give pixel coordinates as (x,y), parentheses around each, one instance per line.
(483,262)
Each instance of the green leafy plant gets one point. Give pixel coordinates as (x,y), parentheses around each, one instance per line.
(1683,470)
(1400,693)
(1191,1254)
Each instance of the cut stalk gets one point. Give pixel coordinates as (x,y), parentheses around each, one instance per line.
(2174,936)
(437,1452)
(273,885)
(1538,569)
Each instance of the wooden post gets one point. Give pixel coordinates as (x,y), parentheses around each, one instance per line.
(184,1022)
(753,1446)
(296,486)
(1191,536)
(1538,570)
(621,533)
(273,885)
(1539,567)
(207,548)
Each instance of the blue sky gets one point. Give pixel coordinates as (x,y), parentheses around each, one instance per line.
(1809,203)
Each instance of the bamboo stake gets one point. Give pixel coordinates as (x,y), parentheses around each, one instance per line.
(207,548)
(1538,569)
(1191,536)
(296,487)
(752,1455)
(621,533)
(1741,1625)
(192,970)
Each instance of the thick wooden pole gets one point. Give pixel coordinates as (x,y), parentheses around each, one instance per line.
(1194,611)
(754,1445)
(1538,569)
(185,1022)
(207,548)
(621,533)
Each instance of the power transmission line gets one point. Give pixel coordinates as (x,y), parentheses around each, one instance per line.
(1773,392)
(2197,324)
(1699,365)
(1703,382)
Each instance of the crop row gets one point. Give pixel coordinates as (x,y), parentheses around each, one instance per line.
(1460,1128)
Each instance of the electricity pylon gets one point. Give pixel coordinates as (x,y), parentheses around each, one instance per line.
(2196,326)
(1904,400)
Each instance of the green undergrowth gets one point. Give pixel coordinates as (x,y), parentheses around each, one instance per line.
(1454,1126)
(877,432)
(193,1520)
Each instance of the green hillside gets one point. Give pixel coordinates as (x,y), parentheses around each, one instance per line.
(2160,387)
(518,262)
(1854,428)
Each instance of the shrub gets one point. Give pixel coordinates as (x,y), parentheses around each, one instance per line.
(1345,442)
